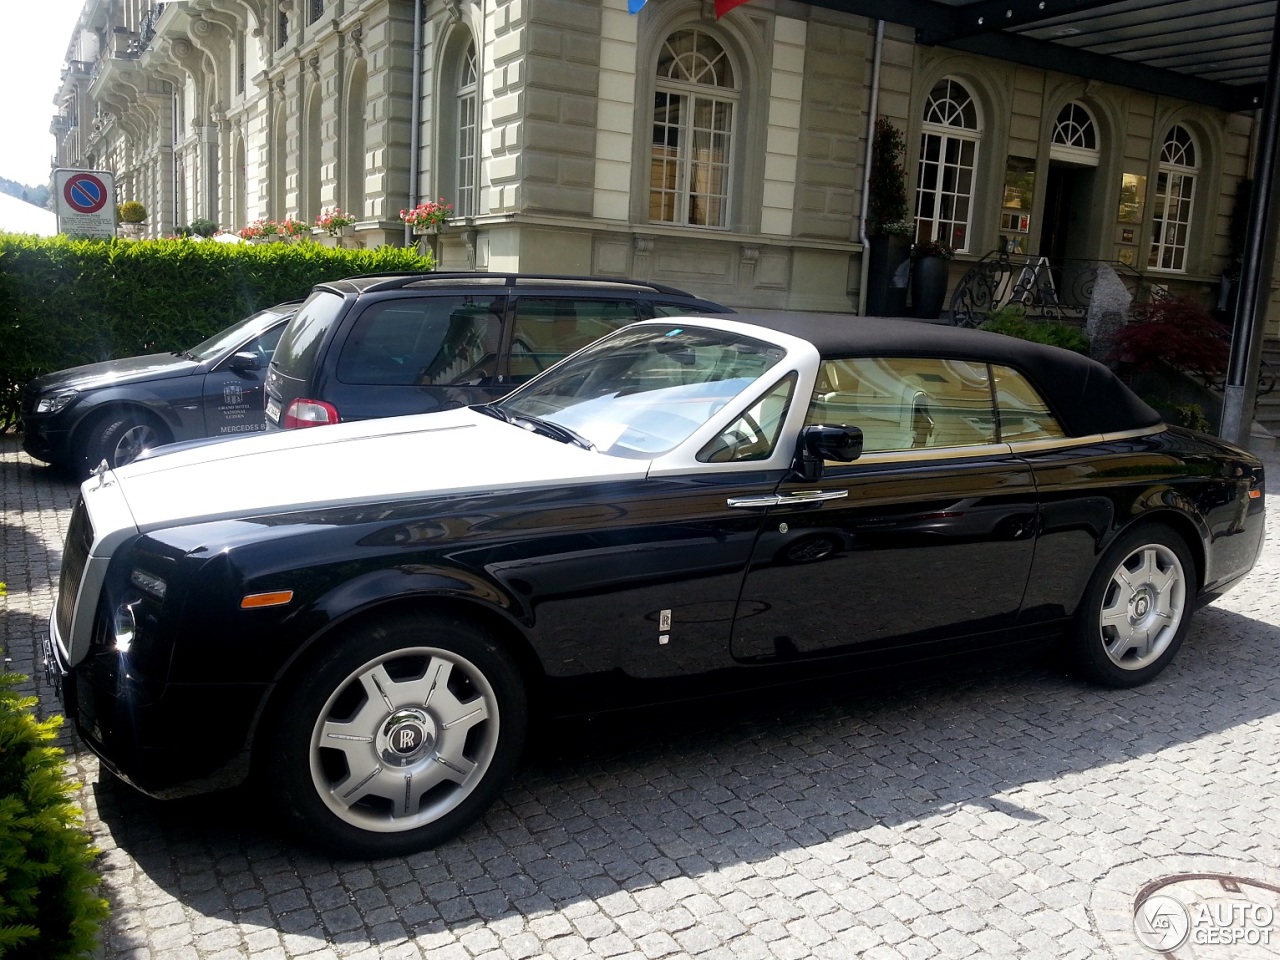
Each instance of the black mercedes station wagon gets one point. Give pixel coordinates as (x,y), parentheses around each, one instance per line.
(649,519)
(389,345)
(113,410)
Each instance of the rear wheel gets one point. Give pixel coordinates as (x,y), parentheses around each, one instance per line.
(119,438)
(398,736)
(1137,608)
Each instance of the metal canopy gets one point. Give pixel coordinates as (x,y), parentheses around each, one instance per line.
(1214,52)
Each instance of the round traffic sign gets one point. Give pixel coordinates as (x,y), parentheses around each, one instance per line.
(85,193)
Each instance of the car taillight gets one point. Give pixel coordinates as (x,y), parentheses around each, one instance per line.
(309,413)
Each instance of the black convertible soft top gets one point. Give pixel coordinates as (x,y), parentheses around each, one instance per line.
(1085,396)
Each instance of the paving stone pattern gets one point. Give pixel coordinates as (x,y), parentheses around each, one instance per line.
(999,810)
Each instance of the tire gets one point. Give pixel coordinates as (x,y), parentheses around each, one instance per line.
(1137,608)
(118,438)
(397,737)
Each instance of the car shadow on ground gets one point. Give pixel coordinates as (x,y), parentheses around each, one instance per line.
(623,802)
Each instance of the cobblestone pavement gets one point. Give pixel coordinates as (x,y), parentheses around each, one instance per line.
(998,811)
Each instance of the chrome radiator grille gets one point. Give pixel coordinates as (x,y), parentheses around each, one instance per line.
(75,555)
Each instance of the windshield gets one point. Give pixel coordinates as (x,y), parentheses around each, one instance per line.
(643,391)
(233,336)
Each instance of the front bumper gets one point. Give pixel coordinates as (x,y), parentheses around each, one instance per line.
(57,672)
(45,440)
(167,740)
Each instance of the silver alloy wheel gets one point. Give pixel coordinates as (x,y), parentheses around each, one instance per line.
(404,739)
(132,442)
(1144,603)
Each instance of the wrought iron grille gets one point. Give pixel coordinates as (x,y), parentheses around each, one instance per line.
(1048,289)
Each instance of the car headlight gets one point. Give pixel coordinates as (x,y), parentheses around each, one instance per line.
(56,402)
(124,627)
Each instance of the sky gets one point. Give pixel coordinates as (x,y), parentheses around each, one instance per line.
(29,74)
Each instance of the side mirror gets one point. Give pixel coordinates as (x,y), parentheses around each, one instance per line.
(820,442)
(244,360)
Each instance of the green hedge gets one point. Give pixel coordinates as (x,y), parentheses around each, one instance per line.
(66,302)
(49,903)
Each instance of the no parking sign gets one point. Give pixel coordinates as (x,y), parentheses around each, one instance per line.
(84,202)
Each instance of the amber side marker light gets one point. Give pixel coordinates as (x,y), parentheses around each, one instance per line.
(279,598)
(1254,494)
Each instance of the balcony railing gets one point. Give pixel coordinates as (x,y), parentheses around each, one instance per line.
(147,29)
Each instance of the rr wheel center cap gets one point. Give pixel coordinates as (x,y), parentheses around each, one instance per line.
(406,737)
(1141,605)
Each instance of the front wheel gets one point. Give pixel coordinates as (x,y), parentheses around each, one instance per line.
(1137,608)
(398,737)
(119,439)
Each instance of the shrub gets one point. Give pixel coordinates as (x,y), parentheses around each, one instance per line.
(201,227)
(887,209)
(65,302)
(1181,333)
(1011,320)
(131,211)
(49,903)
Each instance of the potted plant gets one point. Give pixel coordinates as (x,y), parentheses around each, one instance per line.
(260,231)
(889,226)
(431,217)
(132,215)
(929,277)
(337,223)
(201,227)
(291,229)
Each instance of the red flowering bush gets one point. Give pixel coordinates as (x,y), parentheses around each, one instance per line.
(428,214)
(1181,333)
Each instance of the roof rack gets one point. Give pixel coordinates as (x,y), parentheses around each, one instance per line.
(397,281)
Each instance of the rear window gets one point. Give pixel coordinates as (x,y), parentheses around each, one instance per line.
(295,355)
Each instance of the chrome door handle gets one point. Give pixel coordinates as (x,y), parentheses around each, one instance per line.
(778,499)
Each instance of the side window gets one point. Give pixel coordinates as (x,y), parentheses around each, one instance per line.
(265,345)
(548,329)
(907,403)
(433,341)
(754,434)
(1023,415)
(682,310)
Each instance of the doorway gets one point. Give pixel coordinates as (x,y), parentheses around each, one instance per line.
(1066,230)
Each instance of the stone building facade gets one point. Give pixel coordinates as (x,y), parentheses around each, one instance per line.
(723,156)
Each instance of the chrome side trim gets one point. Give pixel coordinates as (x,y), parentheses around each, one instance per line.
(770,500)
(1067,443)
(778,499)
(921,454)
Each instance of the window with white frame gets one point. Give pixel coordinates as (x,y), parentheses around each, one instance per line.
(1175,194)
(693,115)
(1075,135)
(949,141)
(464,204)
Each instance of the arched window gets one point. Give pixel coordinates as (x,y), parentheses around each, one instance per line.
(1175,193)
(239,196)
(309,195)
(354,174)
(277,162)
(949,142)
(456,132)
(1075,136)
(693,115)
(468,135)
